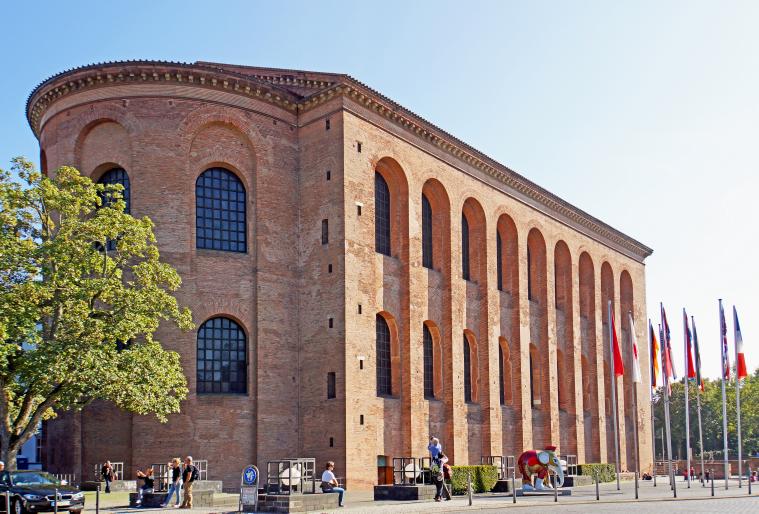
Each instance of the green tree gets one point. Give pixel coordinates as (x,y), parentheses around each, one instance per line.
(77,314)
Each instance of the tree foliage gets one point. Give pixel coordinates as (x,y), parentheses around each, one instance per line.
(77,314)
(711,416)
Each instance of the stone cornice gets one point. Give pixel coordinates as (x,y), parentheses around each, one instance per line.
(272,88)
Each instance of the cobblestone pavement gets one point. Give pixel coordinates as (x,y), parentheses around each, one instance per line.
(652,499)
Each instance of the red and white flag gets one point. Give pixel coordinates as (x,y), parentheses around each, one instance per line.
(691,371)
(619,367)
(636,363)
(740,358)
(723,336)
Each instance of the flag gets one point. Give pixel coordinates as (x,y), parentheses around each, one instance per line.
(654,355)
(688,344)
(619,367)
(740,358)
(665,362)
(636,363)
(669,365)
(696,351)
(723,336)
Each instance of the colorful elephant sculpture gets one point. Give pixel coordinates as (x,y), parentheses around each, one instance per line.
(539,462)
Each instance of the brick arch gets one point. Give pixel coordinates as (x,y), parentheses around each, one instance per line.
(97,114)
(607,295)
(440,203)
(507,381)
(103,142)
(213,114)
(437,359)
(475,215)
(626,300)
(565,354)
(397,183)
(589,360)
(474,360)
(509,253)
(219,144)
(395,352)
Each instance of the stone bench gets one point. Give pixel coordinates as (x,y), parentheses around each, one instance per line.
(155,500)
(318,502)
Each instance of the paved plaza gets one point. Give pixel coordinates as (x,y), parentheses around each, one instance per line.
(652,499)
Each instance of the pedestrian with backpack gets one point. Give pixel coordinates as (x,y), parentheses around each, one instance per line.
(189,476)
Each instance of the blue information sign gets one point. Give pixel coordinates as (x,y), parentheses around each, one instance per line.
(250,475)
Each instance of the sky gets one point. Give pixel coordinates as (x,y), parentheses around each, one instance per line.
(642,113)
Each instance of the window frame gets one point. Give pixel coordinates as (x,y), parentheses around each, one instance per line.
(382,215)
(383,357)
(219,345)
(221,204)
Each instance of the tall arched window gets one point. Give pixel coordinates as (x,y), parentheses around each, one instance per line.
(220,211)
(118,176)
(429,384)
(222,357)
(499,260)
(464,247)
(500,375)
(381,214)
(426,233)
(530,296)
(467,372)
(384,377)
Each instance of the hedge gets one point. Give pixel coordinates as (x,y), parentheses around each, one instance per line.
(606,472)
(483,478)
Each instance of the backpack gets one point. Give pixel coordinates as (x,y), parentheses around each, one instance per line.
(447,471)
(194,476)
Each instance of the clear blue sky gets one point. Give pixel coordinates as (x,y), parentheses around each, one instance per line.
(644,114)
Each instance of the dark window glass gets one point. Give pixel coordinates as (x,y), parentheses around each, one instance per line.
(116,176)
(464,247)
(222,363)
(499,259)
(426,233)
(331,385)
(325,232)
(532,383)
(429,388)
(384,384)
(220,211)
(500,375)
(381,215)
(467,372)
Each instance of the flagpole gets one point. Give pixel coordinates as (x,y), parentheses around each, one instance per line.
(614,393)
(634,353)
(722,325)
(651,357)
(664,344)
(697,351)
(687,410)
(738,401)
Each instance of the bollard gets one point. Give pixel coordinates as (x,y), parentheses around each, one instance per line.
(97,499)
(654,474)
(7,502)
(514,485)
(555,489)
(749,480)
(712,485)
(469,486)
(636,485)
(674,485)
(598,496)
(55,500)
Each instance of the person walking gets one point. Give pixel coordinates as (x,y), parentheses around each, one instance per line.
(435,450)
(175,482)
(189,476)
(5,477)
(447,474)
(330,483)
(148,484)
(108,475)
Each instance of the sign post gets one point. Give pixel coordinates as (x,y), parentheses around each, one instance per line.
(249,489)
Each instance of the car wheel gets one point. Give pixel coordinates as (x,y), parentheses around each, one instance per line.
(18,507)
(79,511)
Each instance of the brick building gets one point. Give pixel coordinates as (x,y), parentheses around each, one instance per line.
(359,278)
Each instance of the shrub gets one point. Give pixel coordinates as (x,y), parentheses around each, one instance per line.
(483,478)
(606,472)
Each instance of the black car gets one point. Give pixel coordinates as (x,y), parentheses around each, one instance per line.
(34,491)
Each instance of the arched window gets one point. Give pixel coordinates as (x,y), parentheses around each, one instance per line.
(384,377)
(381,214)
(530,296)
(467,372)
(220,211)
(500,375)
(426,233)
(222,357)
(464,247)
(429,384)
(117,176)
(499,259)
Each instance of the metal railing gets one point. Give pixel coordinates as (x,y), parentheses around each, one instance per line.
(571,465)
(411,470)
(291,476)
(68,478)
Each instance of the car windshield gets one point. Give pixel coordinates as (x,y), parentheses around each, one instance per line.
(35,478)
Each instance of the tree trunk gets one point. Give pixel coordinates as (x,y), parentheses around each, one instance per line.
(8,454)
